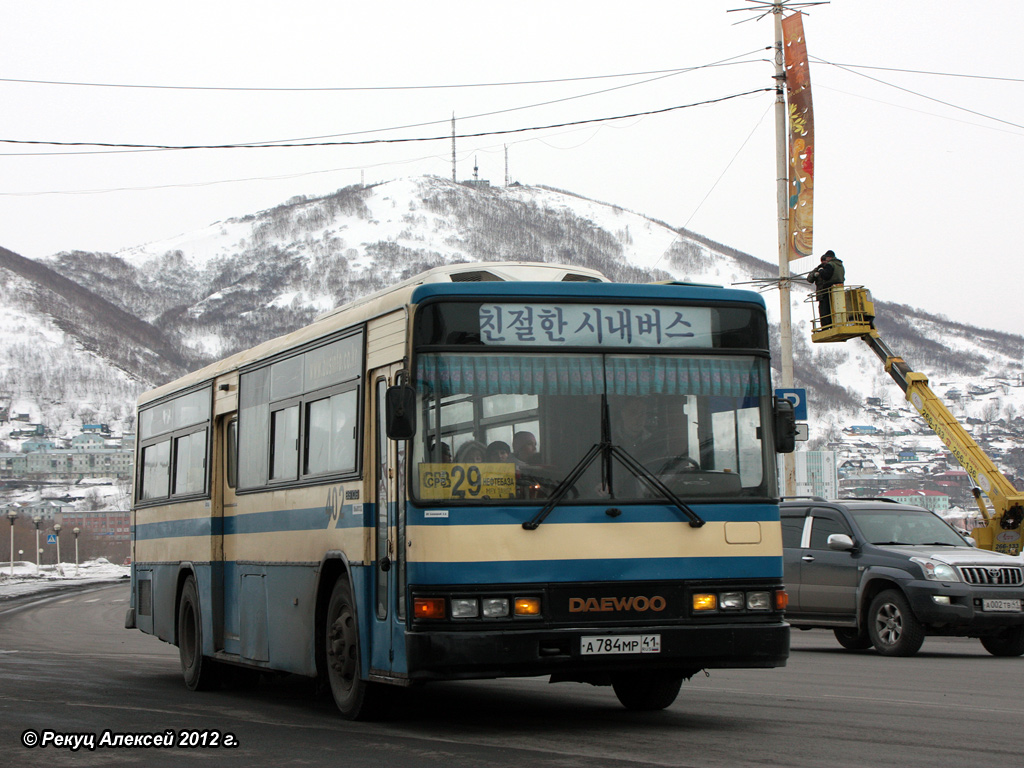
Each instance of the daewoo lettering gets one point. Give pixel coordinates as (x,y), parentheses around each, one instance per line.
(603,604)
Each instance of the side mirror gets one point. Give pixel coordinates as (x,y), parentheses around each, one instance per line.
(785,426)
(400,412)
(840,542)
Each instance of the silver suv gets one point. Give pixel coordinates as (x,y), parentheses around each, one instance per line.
(887,575)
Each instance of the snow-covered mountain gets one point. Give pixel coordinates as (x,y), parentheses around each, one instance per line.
(96,328)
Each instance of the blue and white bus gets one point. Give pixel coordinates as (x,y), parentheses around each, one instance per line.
(489,470)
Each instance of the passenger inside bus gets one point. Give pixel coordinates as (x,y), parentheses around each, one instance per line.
(470,452)
(444,455)
(498,452)
(524,448)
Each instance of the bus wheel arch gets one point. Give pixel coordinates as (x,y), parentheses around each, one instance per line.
(334,566)
(355,697)
(199,672)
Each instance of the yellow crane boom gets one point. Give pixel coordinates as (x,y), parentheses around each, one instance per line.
(853,317)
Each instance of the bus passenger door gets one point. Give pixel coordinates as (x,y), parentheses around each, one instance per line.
(388,460)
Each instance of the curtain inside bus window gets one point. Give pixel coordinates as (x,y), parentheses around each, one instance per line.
(585,375)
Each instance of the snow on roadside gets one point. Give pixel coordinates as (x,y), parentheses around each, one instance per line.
(27,580)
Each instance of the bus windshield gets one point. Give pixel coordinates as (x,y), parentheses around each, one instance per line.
(501,428)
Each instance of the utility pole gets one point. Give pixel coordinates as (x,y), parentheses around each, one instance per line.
(782,192)
(782,202)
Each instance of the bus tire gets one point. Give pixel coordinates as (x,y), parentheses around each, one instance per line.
(647,691)
(200,672)
(1008,642)
(356,699)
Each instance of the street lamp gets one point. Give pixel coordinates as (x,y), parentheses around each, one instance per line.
(56,530)
(37,520)
(76,530)
(12,515)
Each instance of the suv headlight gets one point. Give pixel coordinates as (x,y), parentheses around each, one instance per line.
(936,571)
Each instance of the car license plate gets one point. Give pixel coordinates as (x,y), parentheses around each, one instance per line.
(608,644)
(1012,606)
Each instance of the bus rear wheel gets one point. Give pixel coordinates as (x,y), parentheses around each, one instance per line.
(357,699)
(647,691)
(201,673)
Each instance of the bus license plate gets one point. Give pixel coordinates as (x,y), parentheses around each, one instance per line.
(1012,606)
(608,644)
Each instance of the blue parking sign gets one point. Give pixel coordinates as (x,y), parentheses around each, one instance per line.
(798,397)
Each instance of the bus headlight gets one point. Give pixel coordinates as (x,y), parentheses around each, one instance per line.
(465,608)
(759,601)
(731,601)
(495,607)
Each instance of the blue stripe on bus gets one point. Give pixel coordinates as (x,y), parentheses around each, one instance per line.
(311,519)
(627,569)
(317,518)
(577,290)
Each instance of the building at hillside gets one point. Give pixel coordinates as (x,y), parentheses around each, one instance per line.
(47,510)
(67,464)
(876,484)
(88,441)
(933,500)
(110,523)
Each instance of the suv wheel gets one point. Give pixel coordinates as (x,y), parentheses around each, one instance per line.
(852,639)
(1009,642)
(892,626)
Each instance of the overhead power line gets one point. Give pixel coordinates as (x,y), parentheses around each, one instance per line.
(658,75)
(445,137)
(354,88)
(921,95)
(920,71)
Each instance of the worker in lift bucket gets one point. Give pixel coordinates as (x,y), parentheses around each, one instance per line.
(828,273)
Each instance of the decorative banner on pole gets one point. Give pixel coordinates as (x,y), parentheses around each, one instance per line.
(801,138)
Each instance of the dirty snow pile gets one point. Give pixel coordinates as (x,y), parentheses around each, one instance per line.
(25,579)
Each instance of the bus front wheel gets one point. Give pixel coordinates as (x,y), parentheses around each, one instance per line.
(200,672)
(647,691)
(357,699)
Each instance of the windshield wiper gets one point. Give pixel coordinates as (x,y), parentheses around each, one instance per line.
(606,450)
(645,475)
(563,487)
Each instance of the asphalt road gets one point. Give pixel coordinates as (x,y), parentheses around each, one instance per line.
(69,670)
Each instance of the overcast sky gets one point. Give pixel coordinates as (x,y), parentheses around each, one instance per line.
(919,121)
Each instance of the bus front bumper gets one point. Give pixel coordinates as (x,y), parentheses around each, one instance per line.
(446,655)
